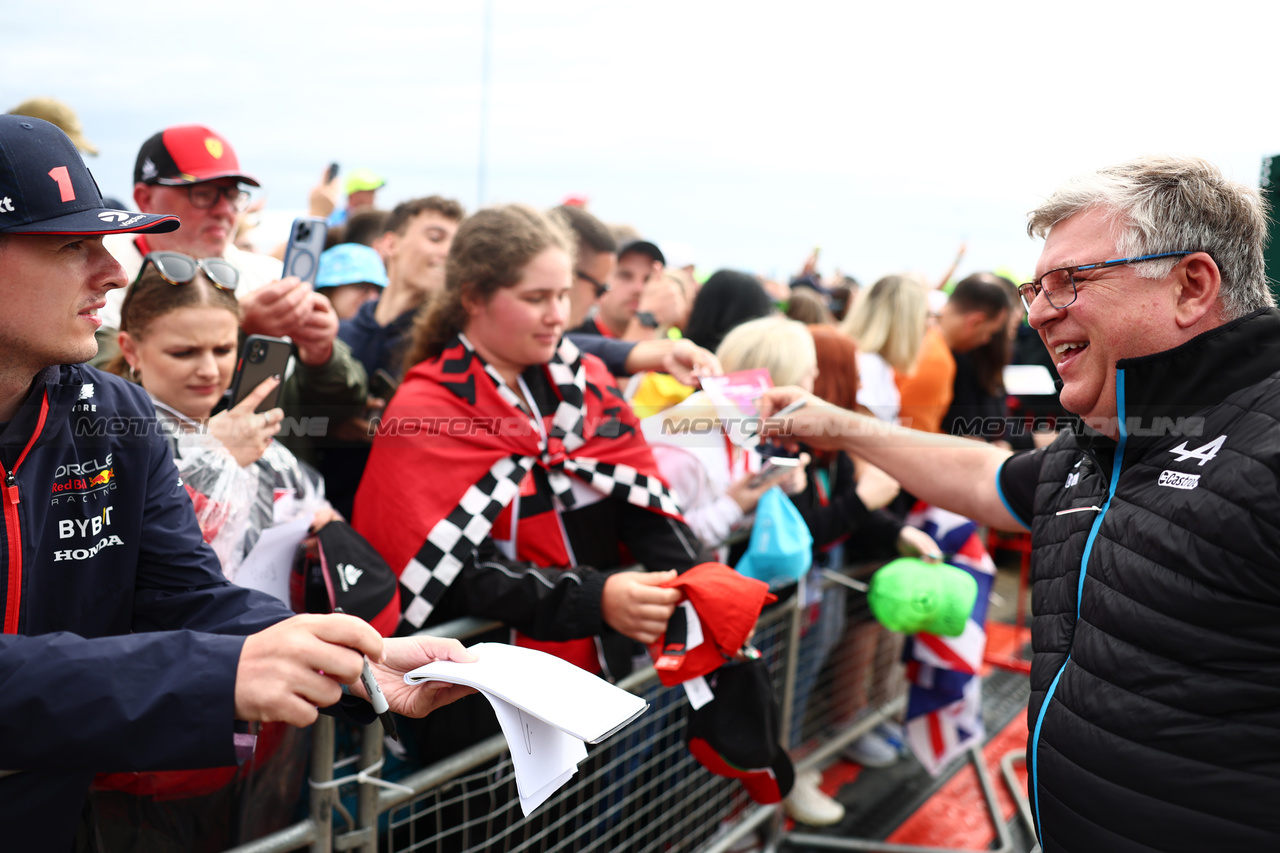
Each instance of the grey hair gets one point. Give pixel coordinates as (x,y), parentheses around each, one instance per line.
(1171,204)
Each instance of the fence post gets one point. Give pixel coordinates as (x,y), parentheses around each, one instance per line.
(792,658)
(322,799)
(371,749)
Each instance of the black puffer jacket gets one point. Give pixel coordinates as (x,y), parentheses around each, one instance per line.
(1155,706)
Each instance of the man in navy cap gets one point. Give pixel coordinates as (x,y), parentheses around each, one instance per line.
(639,261)
(123,646)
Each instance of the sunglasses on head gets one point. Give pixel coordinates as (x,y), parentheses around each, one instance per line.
(177,268)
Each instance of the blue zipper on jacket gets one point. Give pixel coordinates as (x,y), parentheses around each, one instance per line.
(1034,757)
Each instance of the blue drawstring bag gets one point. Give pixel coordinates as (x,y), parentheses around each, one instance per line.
(780,550)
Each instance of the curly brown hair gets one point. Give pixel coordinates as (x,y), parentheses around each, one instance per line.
(490,251)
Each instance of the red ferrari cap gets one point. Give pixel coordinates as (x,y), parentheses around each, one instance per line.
(726,605)
(187,154)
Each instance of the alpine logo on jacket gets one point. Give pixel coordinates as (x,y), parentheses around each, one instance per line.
(1203,453)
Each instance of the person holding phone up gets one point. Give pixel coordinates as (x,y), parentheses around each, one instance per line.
(192,172)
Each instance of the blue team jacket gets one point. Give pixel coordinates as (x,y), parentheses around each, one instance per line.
(121,636)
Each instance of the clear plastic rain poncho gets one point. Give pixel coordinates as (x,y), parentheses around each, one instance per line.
(233,504)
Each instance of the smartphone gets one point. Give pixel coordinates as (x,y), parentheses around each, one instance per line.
(774,468)
(332,173)
(302,251)
(382,384)
(261,357)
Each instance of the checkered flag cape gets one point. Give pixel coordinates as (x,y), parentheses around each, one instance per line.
(454,538)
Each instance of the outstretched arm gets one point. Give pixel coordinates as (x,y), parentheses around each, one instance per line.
(950,472)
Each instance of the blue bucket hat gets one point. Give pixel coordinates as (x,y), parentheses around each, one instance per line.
(350,263)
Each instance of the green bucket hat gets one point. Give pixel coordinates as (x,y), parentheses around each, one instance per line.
(911,596)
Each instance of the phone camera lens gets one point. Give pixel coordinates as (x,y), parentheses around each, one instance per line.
(257,353)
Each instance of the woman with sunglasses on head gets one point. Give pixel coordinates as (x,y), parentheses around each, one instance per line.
(179,339)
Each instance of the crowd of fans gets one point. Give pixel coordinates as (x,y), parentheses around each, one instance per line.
(583,329)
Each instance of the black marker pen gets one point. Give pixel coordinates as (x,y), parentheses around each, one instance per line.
(376,697)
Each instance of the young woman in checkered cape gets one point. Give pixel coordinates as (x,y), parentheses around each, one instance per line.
(509,479)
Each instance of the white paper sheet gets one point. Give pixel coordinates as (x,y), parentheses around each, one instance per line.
(267,566)
(546,706)
(543,756)
(553,690)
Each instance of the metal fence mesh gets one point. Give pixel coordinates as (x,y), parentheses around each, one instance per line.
(642,790)
(835,670)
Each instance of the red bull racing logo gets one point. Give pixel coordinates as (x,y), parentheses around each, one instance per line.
(79,482)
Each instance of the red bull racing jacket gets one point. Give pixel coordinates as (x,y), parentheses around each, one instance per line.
(121,636)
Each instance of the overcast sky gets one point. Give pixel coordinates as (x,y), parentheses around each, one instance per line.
(886,133)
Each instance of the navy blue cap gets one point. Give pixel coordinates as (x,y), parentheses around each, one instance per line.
(644,247)
(45,188)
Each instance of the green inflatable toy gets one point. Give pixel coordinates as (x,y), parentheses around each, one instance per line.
(911,596)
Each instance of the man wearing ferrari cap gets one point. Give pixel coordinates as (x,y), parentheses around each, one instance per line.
(123,646)
(192,172)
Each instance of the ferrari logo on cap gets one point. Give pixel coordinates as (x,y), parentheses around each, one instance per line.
(214,146)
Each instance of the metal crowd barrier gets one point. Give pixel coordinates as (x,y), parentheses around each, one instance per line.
(836,672)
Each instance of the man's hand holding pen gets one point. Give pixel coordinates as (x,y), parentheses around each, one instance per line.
(287,671)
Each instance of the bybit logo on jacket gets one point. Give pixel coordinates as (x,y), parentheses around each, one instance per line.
(348,575)
(86,528)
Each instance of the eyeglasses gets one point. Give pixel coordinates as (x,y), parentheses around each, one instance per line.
(177,268)
(601,287)
(1059,286)
(205,195)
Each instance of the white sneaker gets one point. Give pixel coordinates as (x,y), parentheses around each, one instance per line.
(807,803)
(895,734)
(872,750)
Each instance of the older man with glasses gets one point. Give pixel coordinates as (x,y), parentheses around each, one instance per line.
(1155,690)
(192,172)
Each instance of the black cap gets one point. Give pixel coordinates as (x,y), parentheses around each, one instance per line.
(644,247)
(739,733)
(45,187)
